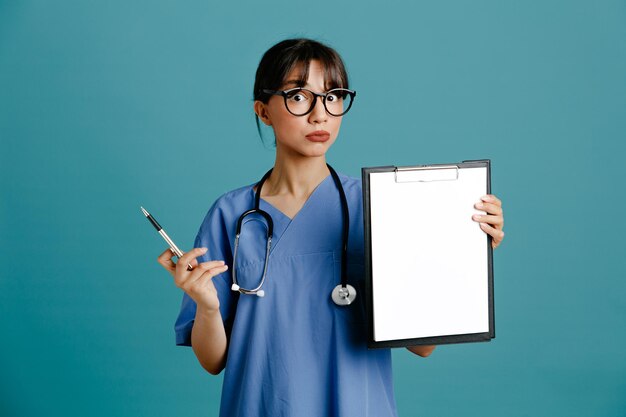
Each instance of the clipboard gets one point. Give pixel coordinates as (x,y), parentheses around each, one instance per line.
(428,265)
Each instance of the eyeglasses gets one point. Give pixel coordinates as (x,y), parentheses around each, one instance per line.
(300,101)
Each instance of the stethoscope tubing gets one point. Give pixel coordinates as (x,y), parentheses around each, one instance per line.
(343,288)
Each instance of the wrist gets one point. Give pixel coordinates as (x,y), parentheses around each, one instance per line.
(203,312)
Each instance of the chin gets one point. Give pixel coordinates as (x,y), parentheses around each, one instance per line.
(318,150)
(309,150)
(312,154)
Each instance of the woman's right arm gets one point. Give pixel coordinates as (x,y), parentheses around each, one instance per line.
(208,336)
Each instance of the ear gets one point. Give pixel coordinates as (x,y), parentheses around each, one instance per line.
(260,109)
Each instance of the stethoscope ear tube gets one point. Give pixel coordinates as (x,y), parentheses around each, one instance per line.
(270,229)
(266,216)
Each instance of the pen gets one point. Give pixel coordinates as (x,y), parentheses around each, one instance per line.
(169,241)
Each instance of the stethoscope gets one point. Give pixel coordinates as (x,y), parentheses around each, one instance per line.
(343,294)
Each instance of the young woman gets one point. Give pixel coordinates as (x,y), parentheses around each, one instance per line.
(287,347)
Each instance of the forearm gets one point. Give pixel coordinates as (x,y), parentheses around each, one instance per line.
(208,340)
(422,351)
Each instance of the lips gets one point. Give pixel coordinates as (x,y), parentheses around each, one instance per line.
(318,136)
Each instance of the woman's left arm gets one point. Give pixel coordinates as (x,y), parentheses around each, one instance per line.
(491,223)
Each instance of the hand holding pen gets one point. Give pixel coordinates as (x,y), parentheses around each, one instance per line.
(177,252)
(195,279)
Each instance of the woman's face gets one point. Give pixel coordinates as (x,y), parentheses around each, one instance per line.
(310,135)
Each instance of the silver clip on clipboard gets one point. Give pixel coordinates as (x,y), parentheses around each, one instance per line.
(427,173)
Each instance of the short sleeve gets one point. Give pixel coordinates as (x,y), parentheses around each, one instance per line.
(213,235)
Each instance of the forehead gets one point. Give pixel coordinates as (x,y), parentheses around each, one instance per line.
(312,73)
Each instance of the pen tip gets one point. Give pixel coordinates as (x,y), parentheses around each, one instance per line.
(145,212)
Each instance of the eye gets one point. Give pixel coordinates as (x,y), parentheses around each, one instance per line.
(332,97)
(297,96)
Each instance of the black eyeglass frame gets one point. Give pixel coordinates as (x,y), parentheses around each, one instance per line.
(285,93)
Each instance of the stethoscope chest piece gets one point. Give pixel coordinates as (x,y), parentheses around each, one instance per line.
(343,296)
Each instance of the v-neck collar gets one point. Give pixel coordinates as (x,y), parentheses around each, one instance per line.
(306,203)
(280,219)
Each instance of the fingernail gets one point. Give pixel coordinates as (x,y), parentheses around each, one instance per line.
(479,205)
(203,250)
(476,217)
(486,198)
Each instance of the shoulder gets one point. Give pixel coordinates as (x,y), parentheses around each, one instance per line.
(353,189)
(351,185)
(229,205)
(234,199)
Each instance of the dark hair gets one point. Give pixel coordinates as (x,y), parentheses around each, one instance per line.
(286,55)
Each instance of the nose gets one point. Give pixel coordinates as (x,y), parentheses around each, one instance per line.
(318,114)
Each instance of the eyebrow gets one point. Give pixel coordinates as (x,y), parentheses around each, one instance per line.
(296,83)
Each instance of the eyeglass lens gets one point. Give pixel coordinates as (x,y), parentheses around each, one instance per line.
(300,101)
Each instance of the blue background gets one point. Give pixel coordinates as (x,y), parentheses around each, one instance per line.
(106,106)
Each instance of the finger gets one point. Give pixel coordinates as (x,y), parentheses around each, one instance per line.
(496,234)
(202,280)
(497,221)
(490,208)
(490,198)
(190,265)
(190,257)
(213,272)
(212,264)
(186,264)
(166,255)
(165,259)
(203,268)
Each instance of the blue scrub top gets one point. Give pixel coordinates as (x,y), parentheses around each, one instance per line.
(294,352)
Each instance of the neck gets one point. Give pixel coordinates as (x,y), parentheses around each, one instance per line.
(296,176)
